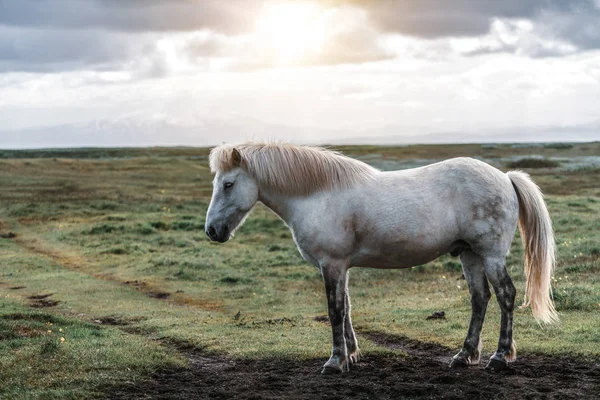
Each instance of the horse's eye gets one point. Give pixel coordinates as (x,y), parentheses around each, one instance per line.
(228,185)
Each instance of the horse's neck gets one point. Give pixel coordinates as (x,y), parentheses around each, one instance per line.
(280,205)
(288,208)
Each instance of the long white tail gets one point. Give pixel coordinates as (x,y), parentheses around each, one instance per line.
(535,226)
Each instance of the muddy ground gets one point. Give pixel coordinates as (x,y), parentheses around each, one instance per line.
(422,375)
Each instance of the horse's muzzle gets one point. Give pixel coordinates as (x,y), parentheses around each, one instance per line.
(217,235)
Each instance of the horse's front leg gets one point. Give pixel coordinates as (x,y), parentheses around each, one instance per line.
(335,277)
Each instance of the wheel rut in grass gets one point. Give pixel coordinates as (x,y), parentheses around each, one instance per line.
(42,300)
(75,262)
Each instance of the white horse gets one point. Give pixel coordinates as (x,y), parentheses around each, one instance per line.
(343,213)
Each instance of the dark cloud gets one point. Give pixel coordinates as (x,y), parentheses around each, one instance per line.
(580,26)
(525,39)
(432,19)
(570,22)
(40,50)
(62,35)
(553,33)
(230,16)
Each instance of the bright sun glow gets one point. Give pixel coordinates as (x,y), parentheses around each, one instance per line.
(291,31)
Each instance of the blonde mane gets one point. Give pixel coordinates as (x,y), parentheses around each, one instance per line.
(293,170)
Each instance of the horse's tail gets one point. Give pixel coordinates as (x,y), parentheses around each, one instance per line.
(535,226)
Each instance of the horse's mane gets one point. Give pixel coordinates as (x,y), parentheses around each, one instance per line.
(293,170)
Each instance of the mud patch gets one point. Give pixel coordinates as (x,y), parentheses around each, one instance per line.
(138,330)
(146,288)
(39,296)
(111,321)
(44,303)
(159,295)
(19,331)
(39,317)
(288,322)
(28,331)
(412,347)
(423,374)
(137,284)
(117,321)
(42,300)
(437,315)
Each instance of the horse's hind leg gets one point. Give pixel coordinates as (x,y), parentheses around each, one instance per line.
(473,267)
(335,278)
(351,342)
(495,270)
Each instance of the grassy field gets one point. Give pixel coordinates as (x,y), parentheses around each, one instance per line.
(105,270)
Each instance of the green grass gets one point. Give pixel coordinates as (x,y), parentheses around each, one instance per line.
(46,355)
(118,235)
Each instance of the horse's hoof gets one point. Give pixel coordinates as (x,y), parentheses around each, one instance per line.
(328,370)
(458,363)
(496,365)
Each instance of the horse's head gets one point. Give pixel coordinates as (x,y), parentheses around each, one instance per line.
(234,195)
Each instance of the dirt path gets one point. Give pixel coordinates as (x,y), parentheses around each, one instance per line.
(421,375)
(75,262)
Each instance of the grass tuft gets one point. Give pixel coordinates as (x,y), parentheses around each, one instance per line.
(533,163)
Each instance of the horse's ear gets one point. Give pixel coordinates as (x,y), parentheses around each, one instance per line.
(236,156)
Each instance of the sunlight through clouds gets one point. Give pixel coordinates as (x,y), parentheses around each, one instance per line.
(291,30)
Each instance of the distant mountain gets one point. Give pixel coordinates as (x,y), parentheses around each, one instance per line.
(525,136)
(141,132)
(127,132)
(389,135)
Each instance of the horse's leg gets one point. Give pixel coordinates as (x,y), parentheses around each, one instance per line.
(351,342)
(495,269)
(335,277)
(480,295)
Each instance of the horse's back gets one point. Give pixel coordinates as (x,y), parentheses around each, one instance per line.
(413,216)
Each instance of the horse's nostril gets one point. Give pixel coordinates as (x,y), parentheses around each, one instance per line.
(211,232)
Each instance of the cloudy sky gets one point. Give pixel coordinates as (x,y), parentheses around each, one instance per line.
(202,72)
